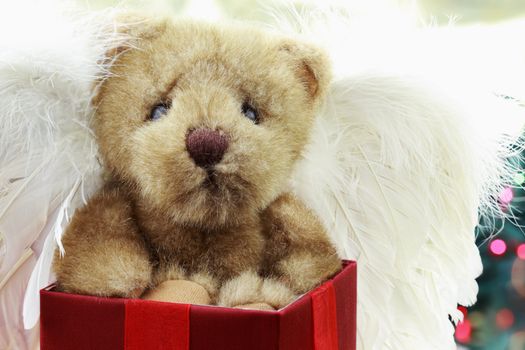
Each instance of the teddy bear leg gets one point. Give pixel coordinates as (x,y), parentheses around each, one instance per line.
(179,291)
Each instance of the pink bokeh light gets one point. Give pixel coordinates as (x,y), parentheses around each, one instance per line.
(506,195)
(463,332)
(520,251)
(498,247)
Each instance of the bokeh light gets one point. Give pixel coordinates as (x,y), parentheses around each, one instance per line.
(464,331)
(498,247)
(520,251)
(519,179)
(506,195)
(504,319)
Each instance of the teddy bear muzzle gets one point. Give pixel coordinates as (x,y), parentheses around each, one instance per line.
(206,147)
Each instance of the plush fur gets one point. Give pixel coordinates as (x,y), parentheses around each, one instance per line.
(201,192)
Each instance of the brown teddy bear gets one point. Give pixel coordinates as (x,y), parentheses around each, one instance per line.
(199,128)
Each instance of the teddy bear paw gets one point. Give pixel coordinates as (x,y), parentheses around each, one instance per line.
(249,290)
(179,291)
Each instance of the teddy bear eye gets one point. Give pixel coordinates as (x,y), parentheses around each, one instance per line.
(250,112)
(159,111)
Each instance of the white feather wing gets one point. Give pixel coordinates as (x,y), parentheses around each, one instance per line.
(50,59)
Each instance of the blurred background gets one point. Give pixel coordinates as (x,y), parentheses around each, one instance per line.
(497,321)
(464,11)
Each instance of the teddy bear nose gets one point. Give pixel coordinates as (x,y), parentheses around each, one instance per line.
(206,147)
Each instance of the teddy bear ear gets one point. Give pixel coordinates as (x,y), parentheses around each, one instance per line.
(129,27)
(311,65)
(123,31)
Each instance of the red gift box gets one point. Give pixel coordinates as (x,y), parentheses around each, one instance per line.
(323,319)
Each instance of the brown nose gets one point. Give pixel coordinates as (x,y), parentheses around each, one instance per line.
(206,147)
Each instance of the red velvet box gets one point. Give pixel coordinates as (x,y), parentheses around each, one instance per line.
(323,319)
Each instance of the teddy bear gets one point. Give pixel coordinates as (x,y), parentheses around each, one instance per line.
(199,128)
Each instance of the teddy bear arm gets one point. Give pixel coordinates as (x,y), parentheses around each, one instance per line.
(299,251)
(105,255)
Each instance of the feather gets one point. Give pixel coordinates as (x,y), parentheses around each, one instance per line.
(51,57)
(405,153)
(41,275)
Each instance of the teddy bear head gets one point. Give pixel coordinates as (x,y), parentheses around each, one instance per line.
(205,122)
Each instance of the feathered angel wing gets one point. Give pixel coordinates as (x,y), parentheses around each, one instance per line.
(50,59)
(398,167)
(396,175)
